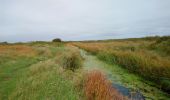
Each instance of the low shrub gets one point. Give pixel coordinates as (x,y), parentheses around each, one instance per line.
(97,87)
(71,60)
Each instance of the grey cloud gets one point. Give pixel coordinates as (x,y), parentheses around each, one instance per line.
(27,20)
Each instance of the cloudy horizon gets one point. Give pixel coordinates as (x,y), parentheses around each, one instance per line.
(44,20)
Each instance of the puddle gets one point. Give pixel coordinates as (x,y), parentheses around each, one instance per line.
(132,95)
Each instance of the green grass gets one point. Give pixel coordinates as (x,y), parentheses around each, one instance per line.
(10,72)
(35,77)
(42,82)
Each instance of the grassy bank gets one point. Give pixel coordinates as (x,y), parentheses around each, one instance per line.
(147,57)
(32,71)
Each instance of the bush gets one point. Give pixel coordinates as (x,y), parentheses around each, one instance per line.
(72,60)
(57,40)
(97,87)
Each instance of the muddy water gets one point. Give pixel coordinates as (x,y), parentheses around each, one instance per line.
(126,83)
(131,94)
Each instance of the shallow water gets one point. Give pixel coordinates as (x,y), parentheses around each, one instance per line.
(133,95)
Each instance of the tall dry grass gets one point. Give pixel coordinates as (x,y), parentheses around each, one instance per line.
(97,87)
(17,50)
(134,56)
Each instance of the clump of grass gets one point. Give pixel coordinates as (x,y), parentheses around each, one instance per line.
(97,87)
(71,60)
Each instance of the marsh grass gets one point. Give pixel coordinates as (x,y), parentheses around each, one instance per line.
(43,81)
(10,72)
(162,45)
(98,87)
(14,59)
(151,64)
(71,59)
(151,69)
(26,73)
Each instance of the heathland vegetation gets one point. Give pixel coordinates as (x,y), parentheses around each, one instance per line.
(58,70)
(45,70)
(148,57)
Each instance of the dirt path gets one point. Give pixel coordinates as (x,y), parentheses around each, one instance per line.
(122,77)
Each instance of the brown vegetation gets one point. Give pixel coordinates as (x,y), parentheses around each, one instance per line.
(97,87)
(17,50)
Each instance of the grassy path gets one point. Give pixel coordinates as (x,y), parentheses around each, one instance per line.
(37,77)
(42,81)
(121,76)
(10,74)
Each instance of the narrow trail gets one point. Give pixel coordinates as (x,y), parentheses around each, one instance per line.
(122,77)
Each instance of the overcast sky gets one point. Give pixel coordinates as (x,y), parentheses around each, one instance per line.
(28,20)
